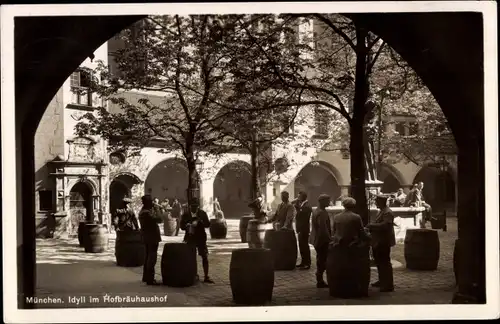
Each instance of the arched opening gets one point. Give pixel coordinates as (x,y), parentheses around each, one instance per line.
(439,188)
(316,178)
(417,37)
(391,184)
(232,187)
(80,205)
(120,187)
(168,179)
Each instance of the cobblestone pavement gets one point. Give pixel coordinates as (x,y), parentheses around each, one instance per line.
(63,269)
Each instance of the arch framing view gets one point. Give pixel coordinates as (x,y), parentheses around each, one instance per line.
(88,180)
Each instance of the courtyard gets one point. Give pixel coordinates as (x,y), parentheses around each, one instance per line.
(82,279)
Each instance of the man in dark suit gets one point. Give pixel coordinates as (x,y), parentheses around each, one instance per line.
(194,223)
(303,224)
(347,226)
(124,218)
(151,237)
(320,237)
(383,238)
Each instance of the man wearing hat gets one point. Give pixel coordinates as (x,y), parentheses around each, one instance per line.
(383,238)
(320,237)
(151,238)
(124,218)
(194,221)
(347,226)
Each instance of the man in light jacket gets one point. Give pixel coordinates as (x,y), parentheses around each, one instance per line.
(285,213)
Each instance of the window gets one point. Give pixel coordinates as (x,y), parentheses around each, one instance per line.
(413,129)
(45,200)
(287,125)
(400,127)
(321,119)
(80,82)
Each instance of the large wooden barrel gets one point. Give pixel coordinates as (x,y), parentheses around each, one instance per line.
(129,249)
(178,265)
(348,271)
(82,235)
(251,275)
(97,238)
(256,232)
(243,227)
(169,226)
(283,246)
(218,228)
(421,249)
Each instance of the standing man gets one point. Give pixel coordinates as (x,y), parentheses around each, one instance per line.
(383,238)
(347,226)
(194,223)
(320,238)
(176,213)
(303,224)
(283,218)
(151,238)
(124,218)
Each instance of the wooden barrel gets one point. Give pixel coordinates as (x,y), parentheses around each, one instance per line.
(218,228)
(178,265)
(243,227)
(283,246)
(256,232)
(169,226)
(82,235)
(421,249)
(97,238)
(129,249)
(348,271)
(251,276)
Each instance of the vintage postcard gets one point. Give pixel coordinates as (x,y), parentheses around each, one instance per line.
(250,161)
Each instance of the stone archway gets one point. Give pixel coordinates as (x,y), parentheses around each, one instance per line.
(391,177)
(439,188)
(80,205)
(446,49)
(232,187)
(391,184)
(317,178)
(168,179)
(120,187)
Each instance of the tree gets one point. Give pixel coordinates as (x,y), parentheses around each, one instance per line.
(322,68)
(178,58)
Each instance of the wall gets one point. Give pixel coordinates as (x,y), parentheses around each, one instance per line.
(49,143)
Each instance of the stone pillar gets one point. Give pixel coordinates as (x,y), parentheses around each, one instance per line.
(372,188)
(471,222)
(206,195)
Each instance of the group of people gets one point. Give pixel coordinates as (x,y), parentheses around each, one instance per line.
(345,229)
(193,221)
(312,228)
(415,198)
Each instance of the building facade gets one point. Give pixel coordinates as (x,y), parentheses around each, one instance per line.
(80,179)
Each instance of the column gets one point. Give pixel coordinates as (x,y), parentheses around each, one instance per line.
(207,195)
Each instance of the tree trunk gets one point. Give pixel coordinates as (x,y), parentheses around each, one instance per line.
(358,170)
(357,144)
(192,189)
(254,157)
